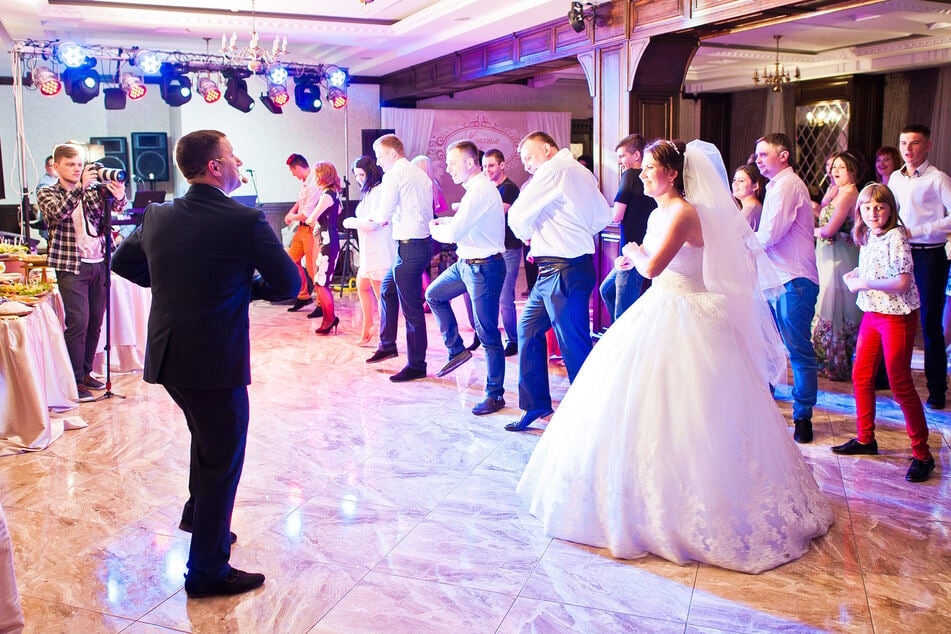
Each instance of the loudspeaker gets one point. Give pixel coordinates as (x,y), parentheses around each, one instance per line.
(368,136)
(150,156)
(116,151)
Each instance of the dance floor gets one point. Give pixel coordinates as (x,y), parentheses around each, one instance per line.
(377,507)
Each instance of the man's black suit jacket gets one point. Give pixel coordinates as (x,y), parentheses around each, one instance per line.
(198,253)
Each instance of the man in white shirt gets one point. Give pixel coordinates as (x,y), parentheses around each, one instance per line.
(302,244)
(478,230)
(923,193)
(558,212)
(786,233)
(406,202)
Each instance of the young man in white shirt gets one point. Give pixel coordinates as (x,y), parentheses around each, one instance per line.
(786,233)
(406,202)
(923,193)
(478,230)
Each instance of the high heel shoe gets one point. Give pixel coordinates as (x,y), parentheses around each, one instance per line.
(365,338)
(331,326)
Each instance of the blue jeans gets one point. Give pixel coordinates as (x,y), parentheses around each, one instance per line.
(402,288)
(513,262)
(558,301)
(619,290)
(483,282)
(931,278)
(794,311)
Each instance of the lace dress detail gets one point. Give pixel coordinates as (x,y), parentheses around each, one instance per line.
(668,441)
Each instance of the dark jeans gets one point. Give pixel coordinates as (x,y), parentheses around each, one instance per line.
(513,262)
(402,288)
(531,269)
(931,277)
(558,301)
(218,422)
(84,300)
(484,285)
(619,290)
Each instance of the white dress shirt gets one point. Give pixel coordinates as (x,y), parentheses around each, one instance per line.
(478,227)
(560,209)
(406,201)
(924,200)
(309,195)
(786,227)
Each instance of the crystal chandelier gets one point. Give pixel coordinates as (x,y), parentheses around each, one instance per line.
(779,77)
(253,56)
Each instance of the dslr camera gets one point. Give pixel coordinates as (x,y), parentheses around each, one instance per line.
(106,174)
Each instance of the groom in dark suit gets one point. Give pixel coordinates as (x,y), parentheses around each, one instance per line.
(198,253)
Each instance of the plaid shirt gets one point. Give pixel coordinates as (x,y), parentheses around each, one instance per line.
(57,205)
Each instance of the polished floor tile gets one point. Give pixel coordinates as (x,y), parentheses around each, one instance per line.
(381,507)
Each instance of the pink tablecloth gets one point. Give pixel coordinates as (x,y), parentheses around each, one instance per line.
(35,376)
(130,322)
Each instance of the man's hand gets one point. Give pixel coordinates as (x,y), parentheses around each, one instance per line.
(89,175)
(116,188)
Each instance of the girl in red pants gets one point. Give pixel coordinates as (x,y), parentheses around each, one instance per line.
(888,295)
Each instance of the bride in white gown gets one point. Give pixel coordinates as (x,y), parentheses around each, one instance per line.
(668,441)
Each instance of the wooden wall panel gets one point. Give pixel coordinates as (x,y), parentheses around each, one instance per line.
(500,54)
(537,44)
(567,37)
(470,62)
(648,12)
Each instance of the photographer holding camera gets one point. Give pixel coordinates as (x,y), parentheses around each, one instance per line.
(74,209)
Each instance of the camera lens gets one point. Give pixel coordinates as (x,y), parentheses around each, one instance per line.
(106,174)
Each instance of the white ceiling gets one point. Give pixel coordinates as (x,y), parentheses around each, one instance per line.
(389,35)
(372,39)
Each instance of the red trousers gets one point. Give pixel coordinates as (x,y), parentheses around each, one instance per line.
(895,335)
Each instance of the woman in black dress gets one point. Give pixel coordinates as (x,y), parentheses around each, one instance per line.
(324,222)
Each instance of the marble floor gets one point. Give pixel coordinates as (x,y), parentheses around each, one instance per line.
(375,507)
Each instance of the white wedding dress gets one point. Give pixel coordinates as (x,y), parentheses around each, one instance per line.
(669,442)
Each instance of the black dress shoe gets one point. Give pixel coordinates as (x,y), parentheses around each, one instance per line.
(511,349)
(935,401)
(93,383)
(803,433)
(475,344)
(298,304)
(381,355)
(454,362)
(856,448)
(919,470)
(317,312)
(489,406)
(236,582)
(528,417)
(408,374)
(187,527)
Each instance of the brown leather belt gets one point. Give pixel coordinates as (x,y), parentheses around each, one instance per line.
(475,261)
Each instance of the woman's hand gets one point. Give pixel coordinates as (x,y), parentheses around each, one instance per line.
(623,263)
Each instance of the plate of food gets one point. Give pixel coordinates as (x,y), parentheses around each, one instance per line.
(32,258)
(9,250)
(20,290)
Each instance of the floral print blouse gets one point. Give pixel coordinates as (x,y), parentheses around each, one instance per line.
(887,255)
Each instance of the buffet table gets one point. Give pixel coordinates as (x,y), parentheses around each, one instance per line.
(35,377)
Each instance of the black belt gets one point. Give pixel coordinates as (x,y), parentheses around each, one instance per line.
(927,247)
(304,224)
(475,261)
(412,240)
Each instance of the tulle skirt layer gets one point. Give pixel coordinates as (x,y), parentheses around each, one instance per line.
(668,443)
